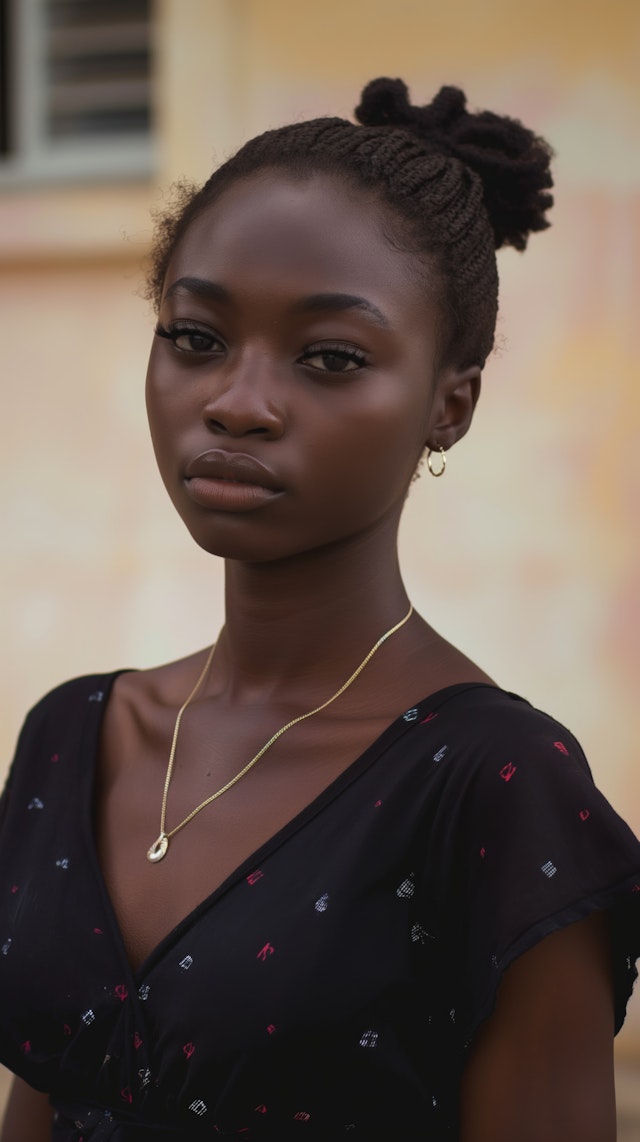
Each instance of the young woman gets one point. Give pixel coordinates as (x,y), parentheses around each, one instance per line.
(324,880)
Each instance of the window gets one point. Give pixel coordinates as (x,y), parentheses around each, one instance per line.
(75,89)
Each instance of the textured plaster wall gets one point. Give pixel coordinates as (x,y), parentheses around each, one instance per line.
(527,553)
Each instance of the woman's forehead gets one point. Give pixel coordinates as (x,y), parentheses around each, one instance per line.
(316,233)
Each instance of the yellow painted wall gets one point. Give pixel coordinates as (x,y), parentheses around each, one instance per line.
(527,553)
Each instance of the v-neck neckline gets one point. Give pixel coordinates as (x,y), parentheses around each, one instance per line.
(89,745)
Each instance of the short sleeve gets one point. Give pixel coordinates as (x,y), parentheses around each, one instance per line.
(524,844)
(21,750)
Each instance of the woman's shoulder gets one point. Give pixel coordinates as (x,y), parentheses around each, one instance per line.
(481,742)
(53,723)
(509,772)
(160,683)
(68,695)
(483,718)
(57,723)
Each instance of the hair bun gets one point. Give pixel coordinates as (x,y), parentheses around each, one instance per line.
(385,103)
(511,161)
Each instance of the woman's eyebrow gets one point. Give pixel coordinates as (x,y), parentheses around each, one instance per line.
(319,301)
(212,291)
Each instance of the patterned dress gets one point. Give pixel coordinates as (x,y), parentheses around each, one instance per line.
(330,988)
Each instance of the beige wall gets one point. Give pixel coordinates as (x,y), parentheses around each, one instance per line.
(527,553)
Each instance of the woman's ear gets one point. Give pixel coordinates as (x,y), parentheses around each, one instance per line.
(456,396)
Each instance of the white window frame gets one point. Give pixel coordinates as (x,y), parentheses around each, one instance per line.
(36,158)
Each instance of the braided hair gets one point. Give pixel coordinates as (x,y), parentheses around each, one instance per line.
(456,186)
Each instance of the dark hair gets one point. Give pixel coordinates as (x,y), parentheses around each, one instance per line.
(458,185)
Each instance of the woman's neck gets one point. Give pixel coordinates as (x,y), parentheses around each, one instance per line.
(307,620)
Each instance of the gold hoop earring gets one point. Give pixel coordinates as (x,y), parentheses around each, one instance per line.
(443,456)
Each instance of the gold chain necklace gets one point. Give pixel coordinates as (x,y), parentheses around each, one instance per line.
(159,847)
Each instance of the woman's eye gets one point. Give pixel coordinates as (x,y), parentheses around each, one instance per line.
(334,360)
(193,341)
(190,340)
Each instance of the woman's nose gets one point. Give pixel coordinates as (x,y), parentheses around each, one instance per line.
(243,400)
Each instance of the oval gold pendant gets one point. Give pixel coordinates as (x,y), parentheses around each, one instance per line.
(158,848)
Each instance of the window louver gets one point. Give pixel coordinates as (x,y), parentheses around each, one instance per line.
(75,90)
(98,68)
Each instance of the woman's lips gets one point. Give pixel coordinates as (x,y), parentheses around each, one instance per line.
(230,481)
(228,496)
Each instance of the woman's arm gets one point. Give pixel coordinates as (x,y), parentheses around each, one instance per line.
(542,1067)
(28,1115)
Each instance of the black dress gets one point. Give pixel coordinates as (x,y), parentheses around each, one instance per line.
(330,987)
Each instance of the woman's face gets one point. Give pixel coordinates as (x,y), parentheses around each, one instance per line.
(290,387)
